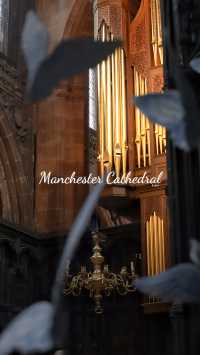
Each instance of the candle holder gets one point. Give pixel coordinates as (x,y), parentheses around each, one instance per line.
(100,281)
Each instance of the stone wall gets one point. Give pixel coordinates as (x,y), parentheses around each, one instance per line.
(61,124)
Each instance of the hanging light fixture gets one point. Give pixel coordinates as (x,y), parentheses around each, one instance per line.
(100,281)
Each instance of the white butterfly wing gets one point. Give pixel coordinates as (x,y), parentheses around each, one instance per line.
(164,109)
(195,251)
(178,284)
(30,331)
(34,43)
(195,64)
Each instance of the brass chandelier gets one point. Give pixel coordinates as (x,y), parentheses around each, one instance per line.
(100,281)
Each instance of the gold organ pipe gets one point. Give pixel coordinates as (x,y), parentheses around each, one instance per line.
(152,247)
(112,110)
(164,137)
(143,128)
(137,119)
(160,244)
(142,123)
(154,30)
(109,108)
(117,117)
(120,103)
(148,140)
(155,243)
(160,135)
(124,115)
(101,118)
(161,139)
(156,251)
(104,105)
(157,138)
(159,28)
(163,246)
(148,248)
(148,127)
(113,96)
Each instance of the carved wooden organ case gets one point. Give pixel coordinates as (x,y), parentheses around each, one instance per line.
(127,140)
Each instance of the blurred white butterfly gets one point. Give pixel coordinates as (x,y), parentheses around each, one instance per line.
(195,64)
(178,284)
(166,110)
(43,327)
(177,110)
(71,57)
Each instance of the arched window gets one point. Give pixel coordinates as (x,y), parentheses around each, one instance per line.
(4,19)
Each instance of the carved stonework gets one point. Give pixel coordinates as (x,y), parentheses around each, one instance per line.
(22,123)
(113,13)
(156,79)
(10,82)
(140,41)
(17,145)
(11,100)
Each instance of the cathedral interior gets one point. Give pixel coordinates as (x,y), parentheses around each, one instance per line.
(90,125)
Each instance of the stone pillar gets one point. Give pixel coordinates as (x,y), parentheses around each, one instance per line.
(61,142)
(62,129)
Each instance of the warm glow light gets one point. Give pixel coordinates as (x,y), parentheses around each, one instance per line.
(112,112)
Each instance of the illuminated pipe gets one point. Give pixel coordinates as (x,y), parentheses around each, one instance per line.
(109,110)
(147,127)
(164,138)
(161,241)
(152,247)
(137,119)
(156,251)
(147,124)
(143,123)
(159,24)
(154,30)
(104,106)
(152,252)
(101,119)
(149,273)
(159,29)
(120,103)
(160,135)
(124,115)
(113,99)
(157,138)
(163,245)
(117,118)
